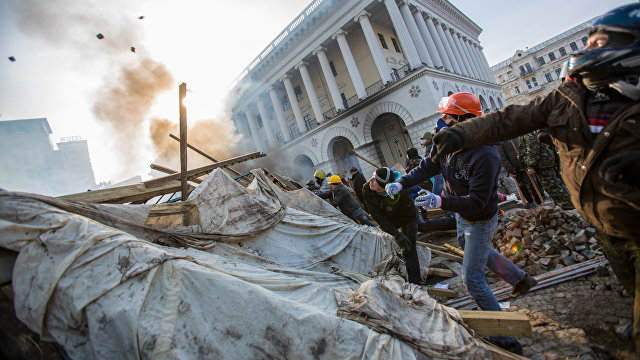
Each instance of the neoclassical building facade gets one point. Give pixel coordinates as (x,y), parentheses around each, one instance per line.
(535,72)
(363,76)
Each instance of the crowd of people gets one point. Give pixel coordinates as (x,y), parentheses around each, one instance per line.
(580,145)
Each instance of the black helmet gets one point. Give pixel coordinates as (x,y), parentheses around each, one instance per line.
(622,55)
(412,152)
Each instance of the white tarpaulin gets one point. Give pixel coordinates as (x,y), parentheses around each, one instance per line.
(98,280)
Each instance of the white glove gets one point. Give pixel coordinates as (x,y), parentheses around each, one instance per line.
(512,197)
(428,200)
(393,189)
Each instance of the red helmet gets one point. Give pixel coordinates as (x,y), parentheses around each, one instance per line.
(459,104)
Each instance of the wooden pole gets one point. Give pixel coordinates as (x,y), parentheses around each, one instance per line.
(535,186)
(524,200)
(367,160)
(166,170)
(182,94)
(202,153)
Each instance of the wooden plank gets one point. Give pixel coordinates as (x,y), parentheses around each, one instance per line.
(184,189)
(441,272)
(166,170)
(454,249)
(204,170)
(431,246)
(442,292)
(446,255)
(231,170)
(172,215)
(124,194)
(497,323)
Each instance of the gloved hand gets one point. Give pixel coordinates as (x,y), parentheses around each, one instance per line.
(403,241)
(623,168)
(446,141)
(393,189)
(428,200)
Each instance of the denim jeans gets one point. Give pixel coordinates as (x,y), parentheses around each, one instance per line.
(360,216)
(475,240)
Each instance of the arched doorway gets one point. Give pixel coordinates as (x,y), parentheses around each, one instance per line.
(493,104)
(391,139)
(500,103)
(483,105)
(302,169)
(341,149)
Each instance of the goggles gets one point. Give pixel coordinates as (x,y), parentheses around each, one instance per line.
(447,102)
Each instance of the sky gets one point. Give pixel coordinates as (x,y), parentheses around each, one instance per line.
(125,103)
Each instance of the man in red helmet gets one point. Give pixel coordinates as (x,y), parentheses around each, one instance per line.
(470,187)
(594,121)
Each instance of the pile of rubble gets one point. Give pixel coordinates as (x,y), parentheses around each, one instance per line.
(545,238)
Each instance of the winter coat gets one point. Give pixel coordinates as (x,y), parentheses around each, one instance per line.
(358,182)
(509,155)
(342,198)
(612,208)
(535,155)
(390,214)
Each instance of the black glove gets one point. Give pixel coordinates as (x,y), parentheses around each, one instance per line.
(403,241)
(623,168)
(446,141)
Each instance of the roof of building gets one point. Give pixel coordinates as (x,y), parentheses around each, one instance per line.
(23,125)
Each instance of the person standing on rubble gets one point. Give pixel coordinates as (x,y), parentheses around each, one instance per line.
(470,188)
(594,121)
(393,213)
(539,160)
(341,198)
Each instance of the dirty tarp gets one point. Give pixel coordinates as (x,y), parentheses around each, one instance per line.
(102,292)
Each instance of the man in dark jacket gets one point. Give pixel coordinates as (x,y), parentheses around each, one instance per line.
(594,120)
(413,160)
(358,181)
(342,199)
(391,214)
(513,166)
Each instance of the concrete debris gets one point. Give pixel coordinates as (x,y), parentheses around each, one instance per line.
(545,238)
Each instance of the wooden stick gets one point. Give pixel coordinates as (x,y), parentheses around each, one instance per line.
(535,186)
(194,173)
(182,94)
(442,292)
(446,255)
(497,323)
(441,272)
(365,159)
(203,153)
(166,170)
(124,194)
(454,249)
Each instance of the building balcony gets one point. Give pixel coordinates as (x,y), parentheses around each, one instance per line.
(534,89)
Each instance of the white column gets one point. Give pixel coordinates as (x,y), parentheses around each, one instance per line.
(456,54)
(265,122)
(484,62)
(253,125)
(277,107)
(374,46)
(410,51)
(352,68)
(439,45)
(328,76)
(447,46)
(474,53)
(311,91)
(463,57)
(426,37)
(472,61)
(293,100)
(416,38)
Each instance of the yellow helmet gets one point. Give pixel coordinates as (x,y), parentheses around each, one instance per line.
(319,174)
(335,179)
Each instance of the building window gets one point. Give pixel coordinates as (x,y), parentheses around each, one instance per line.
(333,68)
(558,71)
(308,121)
(395,75)
(562,51)
(548,77)
(574,47)
(510,74)
(529,84)
(541,60)
(285,103)
(501,78)
(517,90)
(529,69)
(584,41)
(345,103)
(298,92)
(522,71)
(382,42)
(552,56)
(395,45)
(293,130)
(535,82)
(279,137)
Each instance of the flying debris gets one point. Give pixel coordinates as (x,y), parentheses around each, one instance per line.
(133,49)
(12,59)
(100,36)
(141,17)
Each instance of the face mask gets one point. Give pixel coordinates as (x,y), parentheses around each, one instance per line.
(423,141)
(441,124)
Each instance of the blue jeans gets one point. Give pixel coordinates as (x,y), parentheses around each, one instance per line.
(475,240)
(360,216)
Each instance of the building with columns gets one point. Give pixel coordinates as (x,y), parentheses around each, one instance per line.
(363,76)
(535,72)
